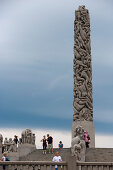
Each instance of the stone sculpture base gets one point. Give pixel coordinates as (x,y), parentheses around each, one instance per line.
(89,127)
(0,152)
(25,149)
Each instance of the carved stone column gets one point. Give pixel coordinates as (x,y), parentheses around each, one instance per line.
(83,101)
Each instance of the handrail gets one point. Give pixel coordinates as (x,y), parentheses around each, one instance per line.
(80,163)
(33,163)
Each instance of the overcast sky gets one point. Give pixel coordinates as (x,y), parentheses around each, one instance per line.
(36,62)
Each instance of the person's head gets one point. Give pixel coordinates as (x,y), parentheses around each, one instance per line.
(60,142)
(44,136)
(5,154)
(57,153)
(15,136)
(47,135)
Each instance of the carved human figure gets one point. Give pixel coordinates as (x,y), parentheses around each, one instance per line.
(78,144)
(28,137)
(33,139)
(1,140)
(83,102)
(6,144)
(12,146)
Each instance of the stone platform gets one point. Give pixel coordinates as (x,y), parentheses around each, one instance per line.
(92,155)
(99,155)
(37,155)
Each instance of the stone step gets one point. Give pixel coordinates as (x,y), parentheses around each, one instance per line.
(38,155)
(99,155)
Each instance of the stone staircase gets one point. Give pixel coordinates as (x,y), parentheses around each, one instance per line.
(92,155)
(37,155)
(99,155)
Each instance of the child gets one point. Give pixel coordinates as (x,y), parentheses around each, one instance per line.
(5,158)
(60,145)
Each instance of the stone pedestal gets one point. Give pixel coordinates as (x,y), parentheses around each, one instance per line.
(25,149)
(89,127)
(0,152)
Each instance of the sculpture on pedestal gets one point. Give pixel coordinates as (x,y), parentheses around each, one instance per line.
(27,137)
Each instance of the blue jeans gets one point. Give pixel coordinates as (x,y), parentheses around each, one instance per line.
(57,168)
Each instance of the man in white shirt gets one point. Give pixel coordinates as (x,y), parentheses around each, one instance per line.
(57,158)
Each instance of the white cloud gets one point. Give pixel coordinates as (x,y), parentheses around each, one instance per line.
(103,141)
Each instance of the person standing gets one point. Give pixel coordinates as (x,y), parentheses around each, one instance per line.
(15,139)
(86,139)
(50,143)
(57,158)
(15,142)
(4,158)
(44,140)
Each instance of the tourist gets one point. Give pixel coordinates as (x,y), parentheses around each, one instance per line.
(3,148)
(44,140)
(60,145)
(15,139)
(15,142)
(57,158)
(86,139)
(50,143)
(4,158)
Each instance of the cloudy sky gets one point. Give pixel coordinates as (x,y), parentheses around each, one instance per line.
(36,63)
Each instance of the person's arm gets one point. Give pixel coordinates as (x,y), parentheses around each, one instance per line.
(60,159)
(1,159)
(53,159)
(41,140)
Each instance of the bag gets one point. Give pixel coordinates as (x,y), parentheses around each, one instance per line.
(7,159)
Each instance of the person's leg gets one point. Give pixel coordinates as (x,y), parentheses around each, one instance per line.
(43,148)
(87,146)
(3,167)
(52,147)
(49,147)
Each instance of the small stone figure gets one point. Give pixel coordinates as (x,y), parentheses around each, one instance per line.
(6,144)
(33,139)
(1,140)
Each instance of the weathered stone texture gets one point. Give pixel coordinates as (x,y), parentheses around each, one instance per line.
(83,101)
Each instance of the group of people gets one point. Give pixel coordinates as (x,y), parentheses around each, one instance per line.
(48,142)
(10,145)
(87,139)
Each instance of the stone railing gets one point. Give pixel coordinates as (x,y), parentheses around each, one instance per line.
(94,165)
(33,165)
